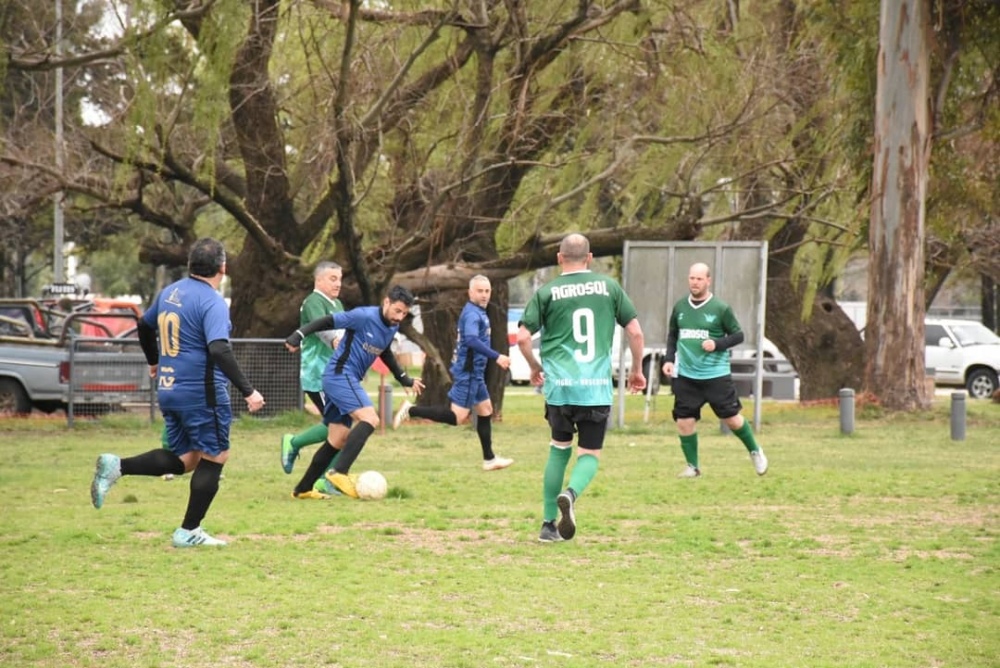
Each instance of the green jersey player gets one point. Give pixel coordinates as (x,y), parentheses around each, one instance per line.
(702,330)
(576,314)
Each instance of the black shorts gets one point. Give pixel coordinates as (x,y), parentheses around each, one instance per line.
(591,422)
(319,401)
(691,394)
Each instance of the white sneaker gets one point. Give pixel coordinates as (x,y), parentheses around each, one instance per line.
(689,472)
(402,415)
(497,463)
(195,538)
(759,460)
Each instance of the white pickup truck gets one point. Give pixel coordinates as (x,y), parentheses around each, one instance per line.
(963,353)
(45,362)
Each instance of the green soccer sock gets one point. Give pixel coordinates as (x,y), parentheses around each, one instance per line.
(552,483)
(314,434)
(583,472)
(689,444)
(745,434)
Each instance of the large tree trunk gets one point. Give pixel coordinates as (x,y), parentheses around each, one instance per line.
(895,327)
(826,350)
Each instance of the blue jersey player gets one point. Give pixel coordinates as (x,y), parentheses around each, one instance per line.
(368,333)
(185,338)
(468,372)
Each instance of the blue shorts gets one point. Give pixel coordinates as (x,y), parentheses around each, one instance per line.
(344,395)
(467,391)
(203,429)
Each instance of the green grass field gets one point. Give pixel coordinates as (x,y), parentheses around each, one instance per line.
(875,549)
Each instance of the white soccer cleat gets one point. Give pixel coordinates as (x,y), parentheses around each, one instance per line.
(759,460)
(195,538)
(402,415)
(497,463)
(689,472)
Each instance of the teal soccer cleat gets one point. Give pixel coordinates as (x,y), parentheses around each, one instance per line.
(106,474)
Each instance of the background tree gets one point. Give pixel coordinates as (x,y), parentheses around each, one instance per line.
(422,144)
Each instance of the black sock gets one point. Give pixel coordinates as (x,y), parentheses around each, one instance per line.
(317,467)
(352,448)
(204,485)
(484,427)
(154,462)
(435,413)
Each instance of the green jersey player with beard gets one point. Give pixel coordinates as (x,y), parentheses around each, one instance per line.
(702,330)
(576,314)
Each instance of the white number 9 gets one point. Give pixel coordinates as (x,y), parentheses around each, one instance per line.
(583,332)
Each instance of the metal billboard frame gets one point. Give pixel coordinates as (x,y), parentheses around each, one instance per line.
(655,317)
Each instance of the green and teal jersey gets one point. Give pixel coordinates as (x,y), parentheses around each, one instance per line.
(315,351)
(576,314)
(693,324)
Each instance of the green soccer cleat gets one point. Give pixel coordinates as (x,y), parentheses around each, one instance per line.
(106,473)
(288,453)
(324,486)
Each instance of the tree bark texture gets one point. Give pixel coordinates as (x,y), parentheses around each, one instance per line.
(894,337)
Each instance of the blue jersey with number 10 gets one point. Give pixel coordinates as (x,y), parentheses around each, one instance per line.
(187,316)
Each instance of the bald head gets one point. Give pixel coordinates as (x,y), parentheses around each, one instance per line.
(701,269)
(699,280)
(575,250)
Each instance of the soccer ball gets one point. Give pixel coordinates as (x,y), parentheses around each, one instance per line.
(371,486)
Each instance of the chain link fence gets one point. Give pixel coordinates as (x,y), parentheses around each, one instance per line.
(105,375)
(112,375)
(273,371)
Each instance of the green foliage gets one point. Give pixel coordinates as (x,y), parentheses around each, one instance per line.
(878,549)
(116,270)
(180,81)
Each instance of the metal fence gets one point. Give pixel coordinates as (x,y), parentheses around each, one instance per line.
(106,374)
(111,375)
(273,371)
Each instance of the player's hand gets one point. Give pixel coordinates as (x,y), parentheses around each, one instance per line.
(636,381)
(254,402)
(708,345)
(294,341)
(668,369)
(503,362)
(153,369)
(537,377)
(418,387)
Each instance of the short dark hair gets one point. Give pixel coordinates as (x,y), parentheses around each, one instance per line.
(206,258)
(398,293)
